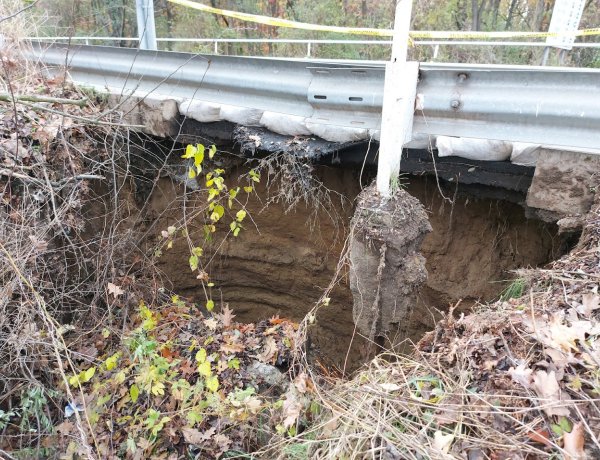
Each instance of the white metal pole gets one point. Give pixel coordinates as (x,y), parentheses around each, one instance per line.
(398,102)
(145,23)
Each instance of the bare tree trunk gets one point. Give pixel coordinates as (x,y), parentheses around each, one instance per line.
(495,5)
(476,13)
(345,6)
(538,15)
(460,15)
(511,12)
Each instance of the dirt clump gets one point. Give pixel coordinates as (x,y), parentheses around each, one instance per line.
(386,267)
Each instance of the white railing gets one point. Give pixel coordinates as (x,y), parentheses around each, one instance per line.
(215,42)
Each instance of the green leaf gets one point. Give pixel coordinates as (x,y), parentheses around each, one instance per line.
(217,213)
(197,251)
(210,305)
(201,355)
(236,232)
(193,262)
(194,417)
(240,215)
(111,362)
(212,151)
(105,333)
(134,392)
(204,369)
(158,389)
(212,193)
(74,380)
(190,151)
(233,225)
(192,173)
(233,363)
(87,375)
(565,424)
(220,183)
(119,377)
(558,431)
(248,189)
(199,155)
(254,175)
(212,383)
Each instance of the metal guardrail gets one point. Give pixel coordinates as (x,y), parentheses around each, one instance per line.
(515,103)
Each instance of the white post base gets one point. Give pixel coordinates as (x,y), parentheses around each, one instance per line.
(400,91)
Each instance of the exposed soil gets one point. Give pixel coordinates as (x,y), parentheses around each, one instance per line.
(281,264)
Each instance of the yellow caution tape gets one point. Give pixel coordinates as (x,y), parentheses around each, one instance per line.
(277,22)
(486,35)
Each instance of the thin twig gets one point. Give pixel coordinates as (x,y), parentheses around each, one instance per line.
(22,10)
(82,119)
(31,98)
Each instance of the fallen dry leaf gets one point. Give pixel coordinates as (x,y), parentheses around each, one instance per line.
(291,410)
(211,323)
(521,374)
(546,387)
(442,442)
(300,382)
(573,443)
(253,404)
(223,442)
(226,315)
(589,303)
(269,351)
(557,335)
(541,436)
(389,387)
(193,436)
(232,347)
(65,428)
(38,245)
(115,290)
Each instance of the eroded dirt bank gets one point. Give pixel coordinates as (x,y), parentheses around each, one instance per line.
(281,263)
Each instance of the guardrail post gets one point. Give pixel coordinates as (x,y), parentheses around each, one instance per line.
(398,102)
(145,23)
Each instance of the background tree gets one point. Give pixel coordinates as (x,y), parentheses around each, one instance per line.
(117,18)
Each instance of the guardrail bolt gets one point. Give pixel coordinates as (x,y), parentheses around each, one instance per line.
(455,104)
(462,77)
